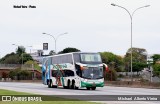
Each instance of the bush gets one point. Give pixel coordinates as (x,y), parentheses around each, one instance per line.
(121,76)
(19,74)
(111,75)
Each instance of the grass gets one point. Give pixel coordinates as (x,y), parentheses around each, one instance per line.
(9,92)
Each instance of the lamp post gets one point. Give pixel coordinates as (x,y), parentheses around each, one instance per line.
(131,17)
(55,38)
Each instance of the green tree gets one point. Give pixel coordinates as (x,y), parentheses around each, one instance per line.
(20,50)
(139,59)
(138,66)
(68,50)
(156,57)
(12,74)
(113,61)
(156,67)
(51,52)
(16,58)
(34,63)
(19,74)
(156,64)
(26,57)
(11,58)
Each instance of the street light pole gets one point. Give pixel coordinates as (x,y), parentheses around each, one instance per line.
(55,39)
(131,17)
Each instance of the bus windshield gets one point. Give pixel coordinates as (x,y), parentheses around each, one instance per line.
(90,57)
(93,73)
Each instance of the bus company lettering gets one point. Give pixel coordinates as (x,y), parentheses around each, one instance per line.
(60,66)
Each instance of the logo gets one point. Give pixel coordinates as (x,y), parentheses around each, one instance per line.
(6,98)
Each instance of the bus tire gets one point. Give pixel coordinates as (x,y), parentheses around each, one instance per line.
(88,88)
(65,87)
(76,88)
(47,81)
(54,86)
(68,84)
(93,88)
(49,84)
(73,85)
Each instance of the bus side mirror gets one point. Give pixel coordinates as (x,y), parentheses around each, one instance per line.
(106,67)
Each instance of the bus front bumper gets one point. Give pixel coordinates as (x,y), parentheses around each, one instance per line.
(92,84)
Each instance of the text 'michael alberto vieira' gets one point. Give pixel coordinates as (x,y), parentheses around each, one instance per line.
(24,6)
(137,98)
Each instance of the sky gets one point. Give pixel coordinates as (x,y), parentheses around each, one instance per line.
(92,25)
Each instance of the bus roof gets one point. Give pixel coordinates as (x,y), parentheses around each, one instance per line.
(70,53)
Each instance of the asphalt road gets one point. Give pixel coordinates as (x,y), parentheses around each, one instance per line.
(38,88)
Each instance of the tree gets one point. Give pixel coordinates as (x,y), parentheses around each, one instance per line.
(26,57)
(52,52)
(68,50)
(16,58)
(111,75)
(20,50)
(138,54)
(11,58)
(35,65)
(113,61)
(156,65)
(138,66)
(19,74)
(139,59)
(156,57)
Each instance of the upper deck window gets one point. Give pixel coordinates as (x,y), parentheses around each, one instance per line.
(95,57)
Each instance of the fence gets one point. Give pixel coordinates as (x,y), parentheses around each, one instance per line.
(10,72)
(9,66)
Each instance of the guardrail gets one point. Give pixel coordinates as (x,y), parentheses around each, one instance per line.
(14,66)
(9,66)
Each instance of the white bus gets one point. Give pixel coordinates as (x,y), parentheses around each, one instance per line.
(73,70)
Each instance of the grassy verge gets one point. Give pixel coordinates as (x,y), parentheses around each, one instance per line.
(8,92)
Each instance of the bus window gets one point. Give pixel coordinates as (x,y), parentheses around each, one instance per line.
(78,70)
(68,73)
(64,73)
(54,73)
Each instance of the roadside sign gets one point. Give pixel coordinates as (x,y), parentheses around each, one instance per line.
(45,46)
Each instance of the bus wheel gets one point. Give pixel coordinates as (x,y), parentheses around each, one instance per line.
(93,88)
(65,87)
(68,84)
(47,81)
(73,85)
(54,86)
(76,88)
(49,84)
(88,88)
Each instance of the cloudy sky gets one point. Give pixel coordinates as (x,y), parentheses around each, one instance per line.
(92,25)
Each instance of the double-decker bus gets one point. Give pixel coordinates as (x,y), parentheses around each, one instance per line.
(73,70)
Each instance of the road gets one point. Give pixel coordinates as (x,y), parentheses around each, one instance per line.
(38,88)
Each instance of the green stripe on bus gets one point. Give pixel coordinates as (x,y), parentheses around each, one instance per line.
(86,84)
